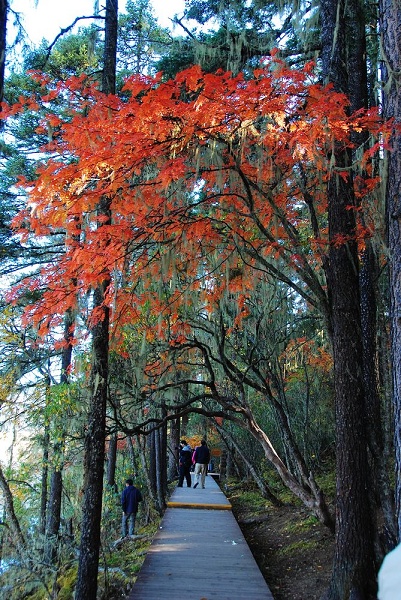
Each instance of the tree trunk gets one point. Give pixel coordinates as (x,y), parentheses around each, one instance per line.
(53,515)
(96,434)
(43,487)
(3,45)
(163,454)
(230,441)
(353,568)
(18,537)
(94,461)
(353,575)
(151,444)
(112,461)
(390,25)
(56,482)
(145,470)
(380,487)
(311,495)
(159,469)
(132,456)
(174,440)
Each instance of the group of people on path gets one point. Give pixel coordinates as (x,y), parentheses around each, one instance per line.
(200,458)
(131,495)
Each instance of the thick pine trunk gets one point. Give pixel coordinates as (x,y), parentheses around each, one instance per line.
(381,490)
(96,433)
(3,42)
(353,568)
(390,25)
(94,462)
(353,575)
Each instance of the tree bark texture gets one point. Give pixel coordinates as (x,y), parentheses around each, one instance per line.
(152,440)
(43,487)
(94,462)
(3,44)
(174,440)
(257,477)
(18,537)
(353,568)
(95,438)
(353,575)
(112,461)
(390,27)
(380,488)
(160,469)
(53,518)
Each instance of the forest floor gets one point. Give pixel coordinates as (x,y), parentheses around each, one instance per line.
(293,550)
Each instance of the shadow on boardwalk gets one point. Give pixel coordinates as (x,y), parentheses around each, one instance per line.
(199,553)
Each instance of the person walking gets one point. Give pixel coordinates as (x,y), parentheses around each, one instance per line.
(130,499)
(184,464)
(202,459)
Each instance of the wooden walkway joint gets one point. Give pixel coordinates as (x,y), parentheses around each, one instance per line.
(199,553)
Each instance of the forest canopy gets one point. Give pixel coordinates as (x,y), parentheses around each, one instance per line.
(196,241)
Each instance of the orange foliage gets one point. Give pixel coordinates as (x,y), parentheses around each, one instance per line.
(194,168)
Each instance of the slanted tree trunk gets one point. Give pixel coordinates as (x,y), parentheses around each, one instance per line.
(390,26)
(263,488)
(96,433)
(18,537)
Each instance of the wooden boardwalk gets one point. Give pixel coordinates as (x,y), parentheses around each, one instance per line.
(199,553)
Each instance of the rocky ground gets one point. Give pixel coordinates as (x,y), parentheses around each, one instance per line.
(293,550)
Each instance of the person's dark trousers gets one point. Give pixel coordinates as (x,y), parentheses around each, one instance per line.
(185,472)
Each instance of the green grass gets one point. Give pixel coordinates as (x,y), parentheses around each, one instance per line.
(302,526)
(300,546)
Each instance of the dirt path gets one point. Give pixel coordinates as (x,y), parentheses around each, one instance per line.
(293,550)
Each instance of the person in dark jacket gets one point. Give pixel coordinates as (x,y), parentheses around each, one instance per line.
(130,499)
(202,459)
(184,463)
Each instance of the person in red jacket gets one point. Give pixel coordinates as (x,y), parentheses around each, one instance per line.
(130,499)
(202,459)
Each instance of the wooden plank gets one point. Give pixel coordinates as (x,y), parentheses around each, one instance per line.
(198,505)
(200,554)
(211,496)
